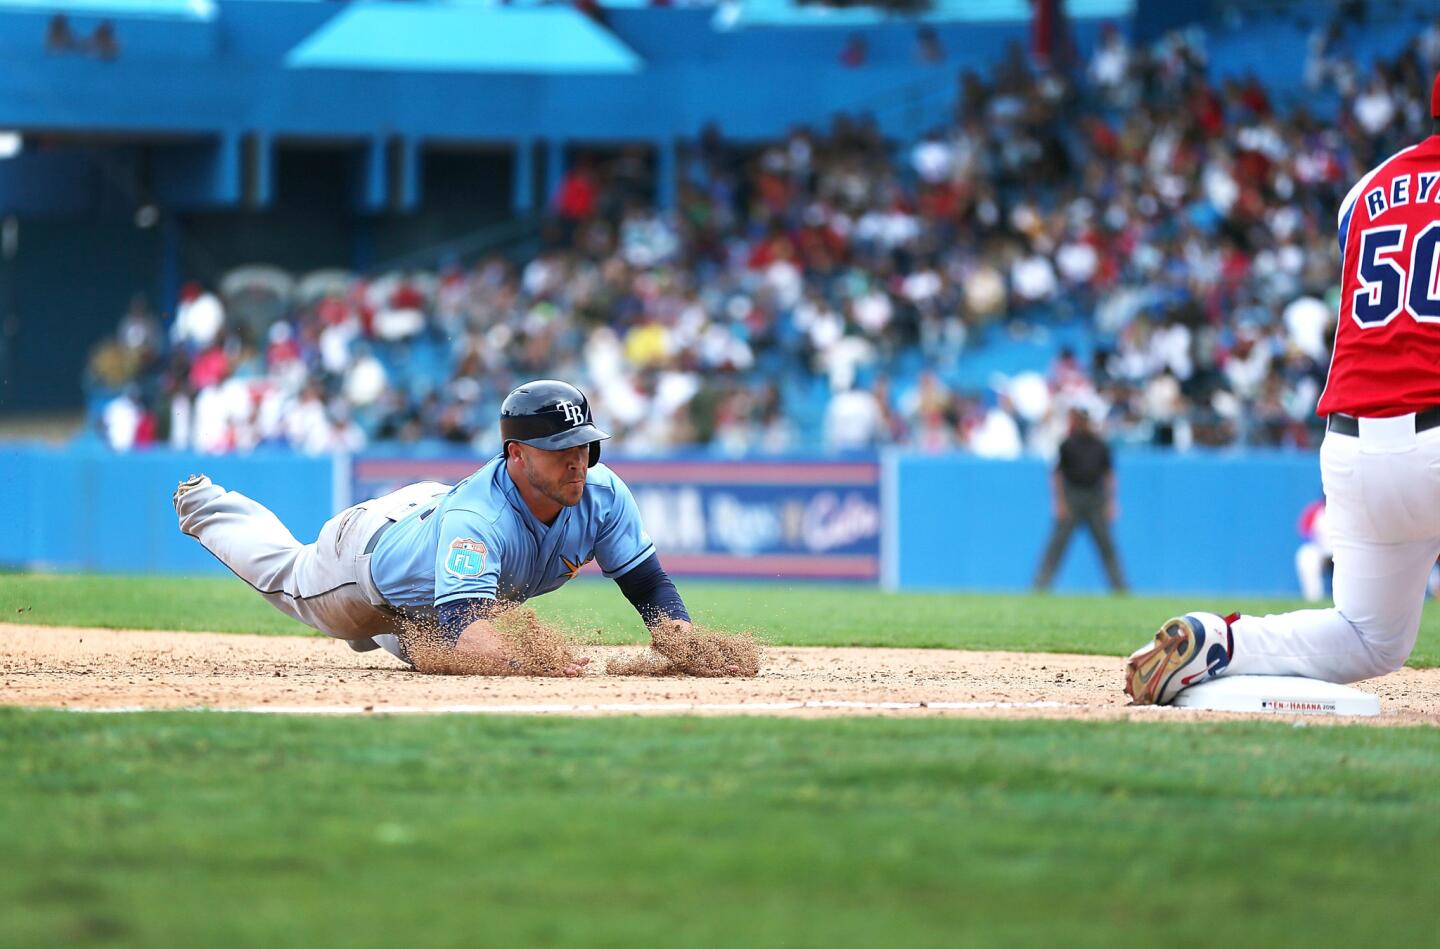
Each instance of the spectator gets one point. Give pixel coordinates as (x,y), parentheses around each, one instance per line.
(854,421)
(998,434)
(1309,324)
(104,43)
(131,353)
(198,319)
(1032,277)
(126,423)
(365,379)
(933,159)
(335,434)
(400,316)
(928,49)
(1375,108)
(59,38)
(1110,68)
(1186,234)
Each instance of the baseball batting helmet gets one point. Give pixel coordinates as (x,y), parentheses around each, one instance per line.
(551,415)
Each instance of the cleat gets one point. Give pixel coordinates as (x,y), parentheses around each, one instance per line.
(362,645)
(1187,650)
(188,485)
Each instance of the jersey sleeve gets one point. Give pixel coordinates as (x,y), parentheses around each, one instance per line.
(622,543)
(467,558)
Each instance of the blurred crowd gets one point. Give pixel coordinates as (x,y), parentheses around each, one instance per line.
(826,291)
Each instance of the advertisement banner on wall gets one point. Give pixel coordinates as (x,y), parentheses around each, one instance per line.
(801,519)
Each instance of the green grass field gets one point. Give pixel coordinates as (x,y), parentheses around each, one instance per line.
(213,829)
(181,829)
(788,615)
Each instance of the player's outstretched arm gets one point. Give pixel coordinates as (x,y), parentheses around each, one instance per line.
(651,591)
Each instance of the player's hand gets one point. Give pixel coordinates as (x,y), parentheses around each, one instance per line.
(705,653)
(577,668)
(671,647)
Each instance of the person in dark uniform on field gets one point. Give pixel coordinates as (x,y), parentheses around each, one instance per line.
(1084,487)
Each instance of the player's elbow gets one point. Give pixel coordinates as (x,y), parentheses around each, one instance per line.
(432,659)
(429,653)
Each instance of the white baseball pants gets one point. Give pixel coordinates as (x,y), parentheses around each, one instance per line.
(1310,562)
(1382,502)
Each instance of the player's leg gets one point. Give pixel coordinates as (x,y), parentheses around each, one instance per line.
(1055,549)
(1095,514)
(1383,502)
(1310,570)
(243,534)
(316,584)
(1379,596)
(1384,520)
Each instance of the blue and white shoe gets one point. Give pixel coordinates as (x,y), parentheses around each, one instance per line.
(1187,650)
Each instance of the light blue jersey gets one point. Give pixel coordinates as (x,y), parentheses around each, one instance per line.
(480,541)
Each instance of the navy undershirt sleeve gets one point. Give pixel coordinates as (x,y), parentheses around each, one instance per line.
(454,616)
(652,592)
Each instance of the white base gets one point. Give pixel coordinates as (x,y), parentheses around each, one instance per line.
(1278,695)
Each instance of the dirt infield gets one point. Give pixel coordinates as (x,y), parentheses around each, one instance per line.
(107,669)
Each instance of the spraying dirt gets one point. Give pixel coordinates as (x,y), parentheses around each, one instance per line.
(527,646)
(684,650)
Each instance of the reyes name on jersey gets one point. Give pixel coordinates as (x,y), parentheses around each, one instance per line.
(1386,358)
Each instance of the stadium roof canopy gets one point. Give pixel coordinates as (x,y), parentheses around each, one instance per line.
(412,37)
(810,15)
(157,9)
(772,13)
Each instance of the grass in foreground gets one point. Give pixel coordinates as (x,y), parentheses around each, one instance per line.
(780,614)
(208,828)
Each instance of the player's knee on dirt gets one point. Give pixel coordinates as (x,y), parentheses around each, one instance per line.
(1389,654)
(1388,643)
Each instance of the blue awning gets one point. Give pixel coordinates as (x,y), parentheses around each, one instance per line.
(409,37)
(771,13)
(203,10)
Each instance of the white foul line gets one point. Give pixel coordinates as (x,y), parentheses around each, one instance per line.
(580,709)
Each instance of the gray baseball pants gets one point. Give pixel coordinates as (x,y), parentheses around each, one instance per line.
(327,584)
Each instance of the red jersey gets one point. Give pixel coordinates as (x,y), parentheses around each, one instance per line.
(1387,344)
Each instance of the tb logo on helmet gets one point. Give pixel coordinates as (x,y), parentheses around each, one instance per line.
(550,415)
(573,414)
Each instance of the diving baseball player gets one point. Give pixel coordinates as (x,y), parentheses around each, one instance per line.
(1379,463)
(440,559)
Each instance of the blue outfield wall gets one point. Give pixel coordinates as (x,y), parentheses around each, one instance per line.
(1221,524)
(90,509)
(1187,523)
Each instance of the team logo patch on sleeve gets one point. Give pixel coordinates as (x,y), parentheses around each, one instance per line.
(466,557)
